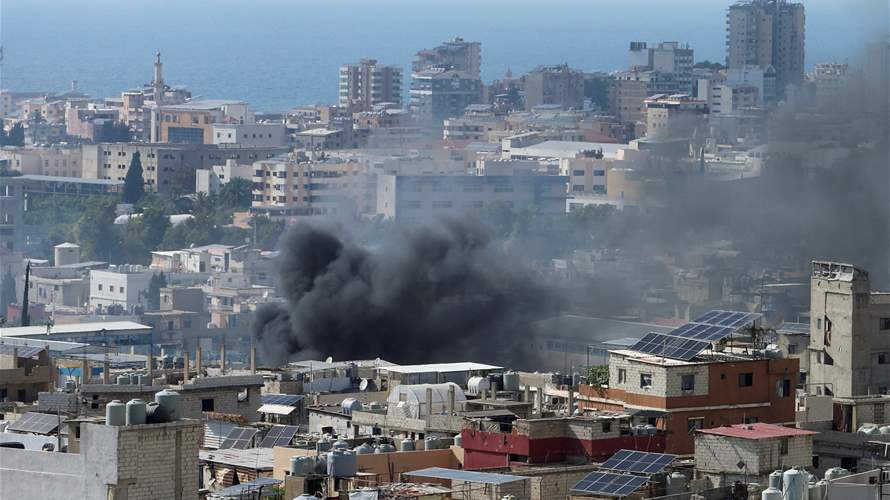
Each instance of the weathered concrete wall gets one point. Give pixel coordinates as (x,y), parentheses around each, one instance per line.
(159,461)
(721,454)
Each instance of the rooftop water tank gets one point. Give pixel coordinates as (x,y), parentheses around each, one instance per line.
(576,379)
(835,472)
(340,445)
(385,448)
(115,413)
(884,429)
(70,386)
(136,409)
(171,401)
(407,444)
(156,414)
(322,445)
(341,463)
(816,491)
(364,449)
(771,494)
(868,430)
(431,443)
(511,381)
(476,385)
(321,464)
(143,379)
(134,378)
(301,466)
(794,485)
(458,440)
(123,379)
(348,405)
(375,405)
(775,480)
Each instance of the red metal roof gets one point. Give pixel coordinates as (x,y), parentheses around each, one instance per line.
(757,431)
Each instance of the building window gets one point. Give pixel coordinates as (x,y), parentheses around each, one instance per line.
(207,404)
(746,379)
(622,375)
(607,426)
(883,358)
(783,446)
(599,173)
(694,424)
(100,287)
(785,388)
(578,173)
(687,383)
(792,348)
(827,359)
(110,288)
(885,324)
(122,289)
(645,380)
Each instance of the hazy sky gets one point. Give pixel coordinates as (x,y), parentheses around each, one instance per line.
(275,52)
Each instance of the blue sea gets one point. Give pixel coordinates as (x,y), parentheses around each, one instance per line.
(277,54)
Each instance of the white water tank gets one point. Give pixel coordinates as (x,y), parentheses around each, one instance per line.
(794,484)
(771,494)
(835,472)
(136,409)
(340,445)
(364,449)
(407,444)
(342,463)
(676,483)
(477,385)
(816,491)
(458,440)
(348,405)
(171,401)
(385,448)
(511,381)
(775,480)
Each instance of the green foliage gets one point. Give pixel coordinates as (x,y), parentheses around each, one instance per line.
(7,292)
(715,66)
(597,90)
(236,194)
(95,230)
(134,182)
(155,284)
(267,232)
(598,375)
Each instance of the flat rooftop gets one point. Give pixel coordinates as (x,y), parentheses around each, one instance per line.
(202,105)
(464,475)
(441,368)
(757,431)
(110,327)
(567,149)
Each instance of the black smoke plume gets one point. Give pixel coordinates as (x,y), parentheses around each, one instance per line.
(430,293)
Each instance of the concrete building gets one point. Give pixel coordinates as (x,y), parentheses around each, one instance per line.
(91,122)
(110,462)
(124,287)
(55,161)
(457,54)
(629,89)
(192,122)
(727,98)
(767,33)
(675,116)
(211,180)
(849,347)
(705,392)
(60,287)
(424,198)
(554,85)
(24,372)
(366,84)
(437,94)
(250,135)
(296,186)
(165,167)
(665,57)
(750,452)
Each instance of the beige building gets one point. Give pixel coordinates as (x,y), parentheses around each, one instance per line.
(675,116)
(296,186)
(366,84)
(54,161)
(193,122)
(849,333)
(767,33)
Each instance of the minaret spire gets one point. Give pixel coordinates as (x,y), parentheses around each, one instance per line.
(158,82)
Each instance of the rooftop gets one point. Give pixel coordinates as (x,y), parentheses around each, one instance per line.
(464,475)
(110,327)
(202,105)
(757,431)
(442,368)
(251,458)
(567,149)
(74,180)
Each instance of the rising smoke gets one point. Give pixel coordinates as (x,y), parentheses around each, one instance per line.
(440,292)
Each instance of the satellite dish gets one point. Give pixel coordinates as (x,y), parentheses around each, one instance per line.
(329,359)
(366,385)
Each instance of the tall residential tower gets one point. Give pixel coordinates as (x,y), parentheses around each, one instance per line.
(365,84)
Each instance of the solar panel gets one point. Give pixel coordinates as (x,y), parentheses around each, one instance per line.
(281,399)
(607,483)
(670,347)
(699,331)
(802,328)
(239,438)
(279,435)
(638,461)
(731,319)
(38,423)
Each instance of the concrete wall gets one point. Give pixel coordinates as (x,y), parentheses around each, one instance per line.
(722,454)
(159,461)
(341,424)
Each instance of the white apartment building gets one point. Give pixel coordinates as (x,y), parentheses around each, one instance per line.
(250,135)
(125,286)
(211,180)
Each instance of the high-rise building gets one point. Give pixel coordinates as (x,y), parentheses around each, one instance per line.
(666,57)
(767,33)
(437,94)
(554,85)
(456,54)
(365,84)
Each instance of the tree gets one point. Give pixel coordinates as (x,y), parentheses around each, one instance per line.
(134,183)
(95,230)
(7,292)
(155,284)
(598,375)
(237,193)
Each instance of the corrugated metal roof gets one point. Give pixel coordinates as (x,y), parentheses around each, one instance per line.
(251,458)
(757,431)
(442,367)
(276,409)
(464,475)
(109,327)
